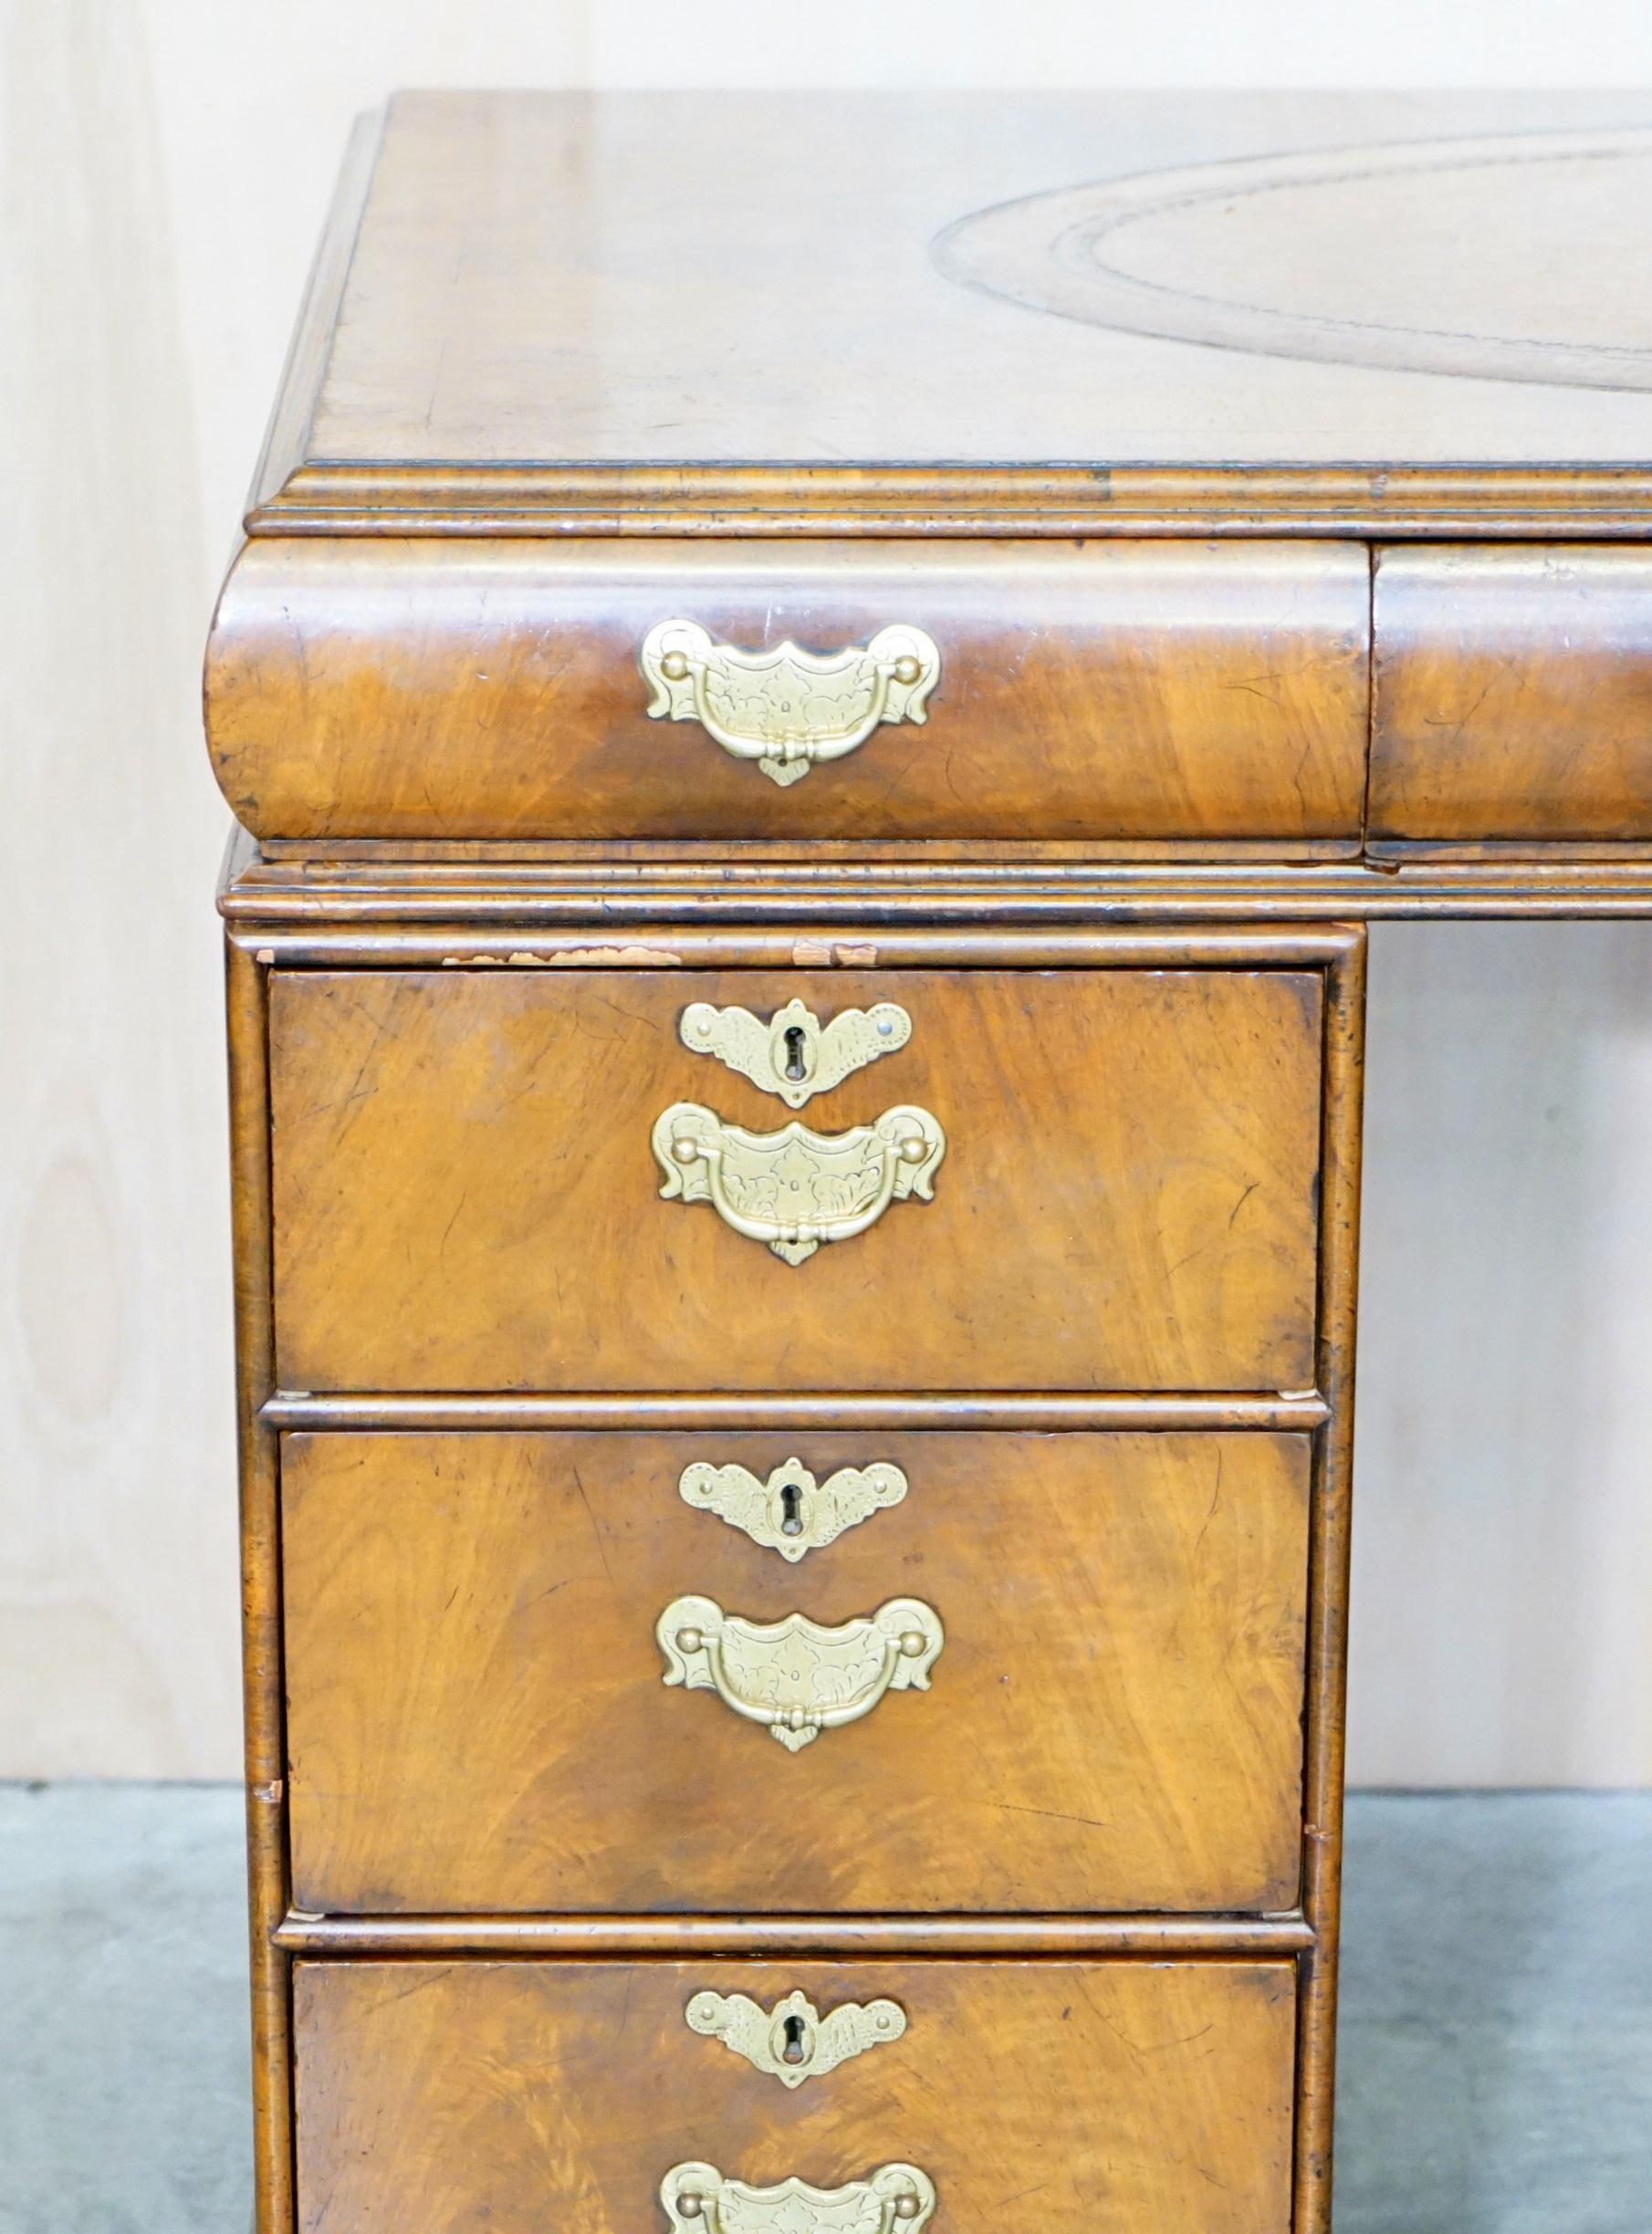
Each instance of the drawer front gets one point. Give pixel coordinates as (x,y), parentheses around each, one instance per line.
(1156,692)
(1513,695)
(495,2098)
(483,1715)
(472,1190)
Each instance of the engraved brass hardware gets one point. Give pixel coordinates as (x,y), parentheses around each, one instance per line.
(793,2041)
(788,708)
(794,1189)
(791,1512)
(698,2200)
(793,1055)
(796,1677)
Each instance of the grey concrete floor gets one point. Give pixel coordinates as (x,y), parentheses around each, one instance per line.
(1496,2045)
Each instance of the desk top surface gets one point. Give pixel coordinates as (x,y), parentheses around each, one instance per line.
(1250,284)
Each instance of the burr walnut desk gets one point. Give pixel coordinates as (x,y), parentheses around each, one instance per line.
(818,693)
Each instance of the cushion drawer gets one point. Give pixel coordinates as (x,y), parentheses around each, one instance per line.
(479,1720)
(467,1191)
(513,2097)
(440,689)
(1512,695)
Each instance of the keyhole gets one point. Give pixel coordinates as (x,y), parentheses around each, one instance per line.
(795,1068)
(792,2053)
(791,1524)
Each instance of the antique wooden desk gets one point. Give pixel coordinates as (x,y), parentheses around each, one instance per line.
(817,694)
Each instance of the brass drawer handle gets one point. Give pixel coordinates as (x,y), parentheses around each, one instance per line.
(698,2200)
(793,2041)
(791,1512)
(794,1189)
(788,708)
(796,1677)
(793,1055)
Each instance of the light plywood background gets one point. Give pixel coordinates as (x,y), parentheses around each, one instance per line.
(164,165)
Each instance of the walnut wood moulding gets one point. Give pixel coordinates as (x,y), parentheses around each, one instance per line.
(551,914)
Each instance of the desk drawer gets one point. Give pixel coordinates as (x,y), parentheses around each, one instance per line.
(486,1714)
(493,2098)
(469,1167)
(1514,696)
(1145,692)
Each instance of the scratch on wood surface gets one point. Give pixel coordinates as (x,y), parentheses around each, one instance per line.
(826,953)
(573,957)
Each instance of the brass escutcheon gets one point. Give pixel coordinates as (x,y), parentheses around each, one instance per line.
(793,1055)
(793,2041)
(791,1512)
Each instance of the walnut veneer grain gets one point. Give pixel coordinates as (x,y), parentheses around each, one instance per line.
(514,2096)
(448,689)
(477,1720)
(466,1196)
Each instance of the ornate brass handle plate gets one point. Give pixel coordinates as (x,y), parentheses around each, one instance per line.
(791,1512)
(795,1677)
(698,2200)
(794,1189)
(787,709)
(793,2041)
(793,1055)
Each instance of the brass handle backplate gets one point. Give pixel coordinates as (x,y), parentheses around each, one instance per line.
(796,1677)
(794,1189)
(791,1512)
(788,709)
(793,2041)
(698,2200)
